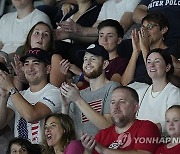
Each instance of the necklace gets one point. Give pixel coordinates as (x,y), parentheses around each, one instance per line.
(155,94)
(142,100)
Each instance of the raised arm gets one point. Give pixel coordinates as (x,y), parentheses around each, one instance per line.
(141,44)
(126,20)
(72,93)
(128,74)
(144,42)
(139,13)
(29,112)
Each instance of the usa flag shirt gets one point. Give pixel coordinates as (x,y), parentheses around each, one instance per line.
(99,100)
(49,96)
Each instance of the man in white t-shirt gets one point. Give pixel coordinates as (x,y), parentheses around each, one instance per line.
(15,26)
(30,106)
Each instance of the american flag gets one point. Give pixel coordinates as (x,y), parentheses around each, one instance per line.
(22,128)
(96,105)
(35,128)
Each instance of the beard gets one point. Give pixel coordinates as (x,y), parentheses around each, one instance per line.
(121,122)
(95,73)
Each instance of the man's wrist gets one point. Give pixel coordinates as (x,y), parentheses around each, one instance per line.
(13,91)
(78,100)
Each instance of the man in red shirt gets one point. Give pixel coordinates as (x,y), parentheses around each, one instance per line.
(127,134)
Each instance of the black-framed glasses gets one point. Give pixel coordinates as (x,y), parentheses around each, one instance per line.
(150,26)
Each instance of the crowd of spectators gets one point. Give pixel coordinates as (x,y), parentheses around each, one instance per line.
(90,76)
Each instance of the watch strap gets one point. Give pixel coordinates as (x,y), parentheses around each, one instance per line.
(12,91)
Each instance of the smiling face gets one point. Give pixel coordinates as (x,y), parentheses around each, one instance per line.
(108,38)
(53,132)
(18,149)
(41,37)
(93,65)
(156,66)
(173,122)
(35,71)
(154,32)
(122,108)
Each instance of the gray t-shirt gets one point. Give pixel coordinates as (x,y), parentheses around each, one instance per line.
(99,100)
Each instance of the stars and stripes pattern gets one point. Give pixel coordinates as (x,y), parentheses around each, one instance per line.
(22,128)
(96,105)
(35,128)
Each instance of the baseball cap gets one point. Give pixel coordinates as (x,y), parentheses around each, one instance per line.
(94,49)
(38,53)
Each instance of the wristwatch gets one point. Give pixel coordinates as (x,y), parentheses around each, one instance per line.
(12,91)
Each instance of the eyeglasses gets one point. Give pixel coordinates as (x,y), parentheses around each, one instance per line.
(150,26)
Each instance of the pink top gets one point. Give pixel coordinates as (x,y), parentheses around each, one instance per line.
(74,147)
